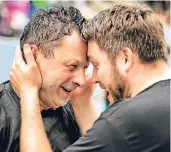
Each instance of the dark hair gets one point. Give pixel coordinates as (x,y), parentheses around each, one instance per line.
(134,26)
(50,25)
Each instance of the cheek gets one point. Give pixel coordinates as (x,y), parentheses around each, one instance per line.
(101,71)
(65,76)
(104,74)
(50,80)
(54,78)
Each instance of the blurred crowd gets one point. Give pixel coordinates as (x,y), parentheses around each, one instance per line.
(14,15)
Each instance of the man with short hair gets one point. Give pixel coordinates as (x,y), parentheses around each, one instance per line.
(127,48)
(54,35)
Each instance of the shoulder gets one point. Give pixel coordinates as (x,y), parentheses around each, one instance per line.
(2,110)
(2,88)
(139,111)
(153,102)
(7,95)
(2,94)
(145,110)
(9,115)
(142,120)
(9,102)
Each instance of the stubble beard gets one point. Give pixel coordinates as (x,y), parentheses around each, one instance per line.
(118,88)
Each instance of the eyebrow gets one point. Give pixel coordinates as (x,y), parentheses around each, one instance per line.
(71,61)
(78,62)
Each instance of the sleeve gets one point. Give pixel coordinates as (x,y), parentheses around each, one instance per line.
(102,137)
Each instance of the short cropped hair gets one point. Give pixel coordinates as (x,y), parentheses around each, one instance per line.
(134,26)
(48,26)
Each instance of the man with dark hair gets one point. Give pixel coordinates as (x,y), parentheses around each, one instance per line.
(54,35)
(127,48)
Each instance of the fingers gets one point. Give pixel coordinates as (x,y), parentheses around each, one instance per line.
(14,81)
(22,75)
(89,83)
(18,59)
(17,62)
(29,54)
(89,79)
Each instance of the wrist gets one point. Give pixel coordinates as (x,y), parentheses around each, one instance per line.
(82,107)
(29,98)
(82,103)
(30,92)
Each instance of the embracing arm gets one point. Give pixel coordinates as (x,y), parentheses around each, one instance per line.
(83,106)
(85,116)
(32,136)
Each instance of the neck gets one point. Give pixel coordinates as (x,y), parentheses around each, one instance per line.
(42,106)
(147,75)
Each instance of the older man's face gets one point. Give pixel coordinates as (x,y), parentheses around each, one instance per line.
(105,73)
(65,72)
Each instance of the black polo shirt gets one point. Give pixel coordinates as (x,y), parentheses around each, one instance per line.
(60,125)
(139,124)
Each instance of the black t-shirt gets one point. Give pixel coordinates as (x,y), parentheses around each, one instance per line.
(139,124)
(60,125)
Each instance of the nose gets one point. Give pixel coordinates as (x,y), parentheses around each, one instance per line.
(79,78)
(94,77)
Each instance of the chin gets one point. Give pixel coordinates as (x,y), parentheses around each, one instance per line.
(61,103)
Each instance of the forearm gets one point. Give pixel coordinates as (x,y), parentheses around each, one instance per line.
(32,137)
(85,116)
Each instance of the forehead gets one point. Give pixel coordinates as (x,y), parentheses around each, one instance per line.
(72,47)
(93,50)
(96,55)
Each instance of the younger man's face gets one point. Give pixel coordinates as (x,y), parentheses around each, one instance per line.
(104,73)
(63,73)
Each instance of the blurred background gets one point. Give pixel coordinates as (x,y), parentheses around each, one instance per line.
(14,15)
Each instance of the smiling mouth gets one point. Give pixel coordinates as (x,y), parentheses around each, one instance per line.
(66,89)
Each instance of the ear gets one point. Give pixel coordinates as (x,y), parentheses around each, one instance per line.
(36,53)
(34,50)
(128,53)
(125,60)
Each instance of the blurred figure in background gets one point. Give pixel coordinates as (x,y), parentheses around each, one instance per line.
(36,5)
(14,16)
(162,10)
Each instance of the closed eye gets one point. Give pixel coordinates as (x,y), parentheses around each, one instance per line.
(72,67)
